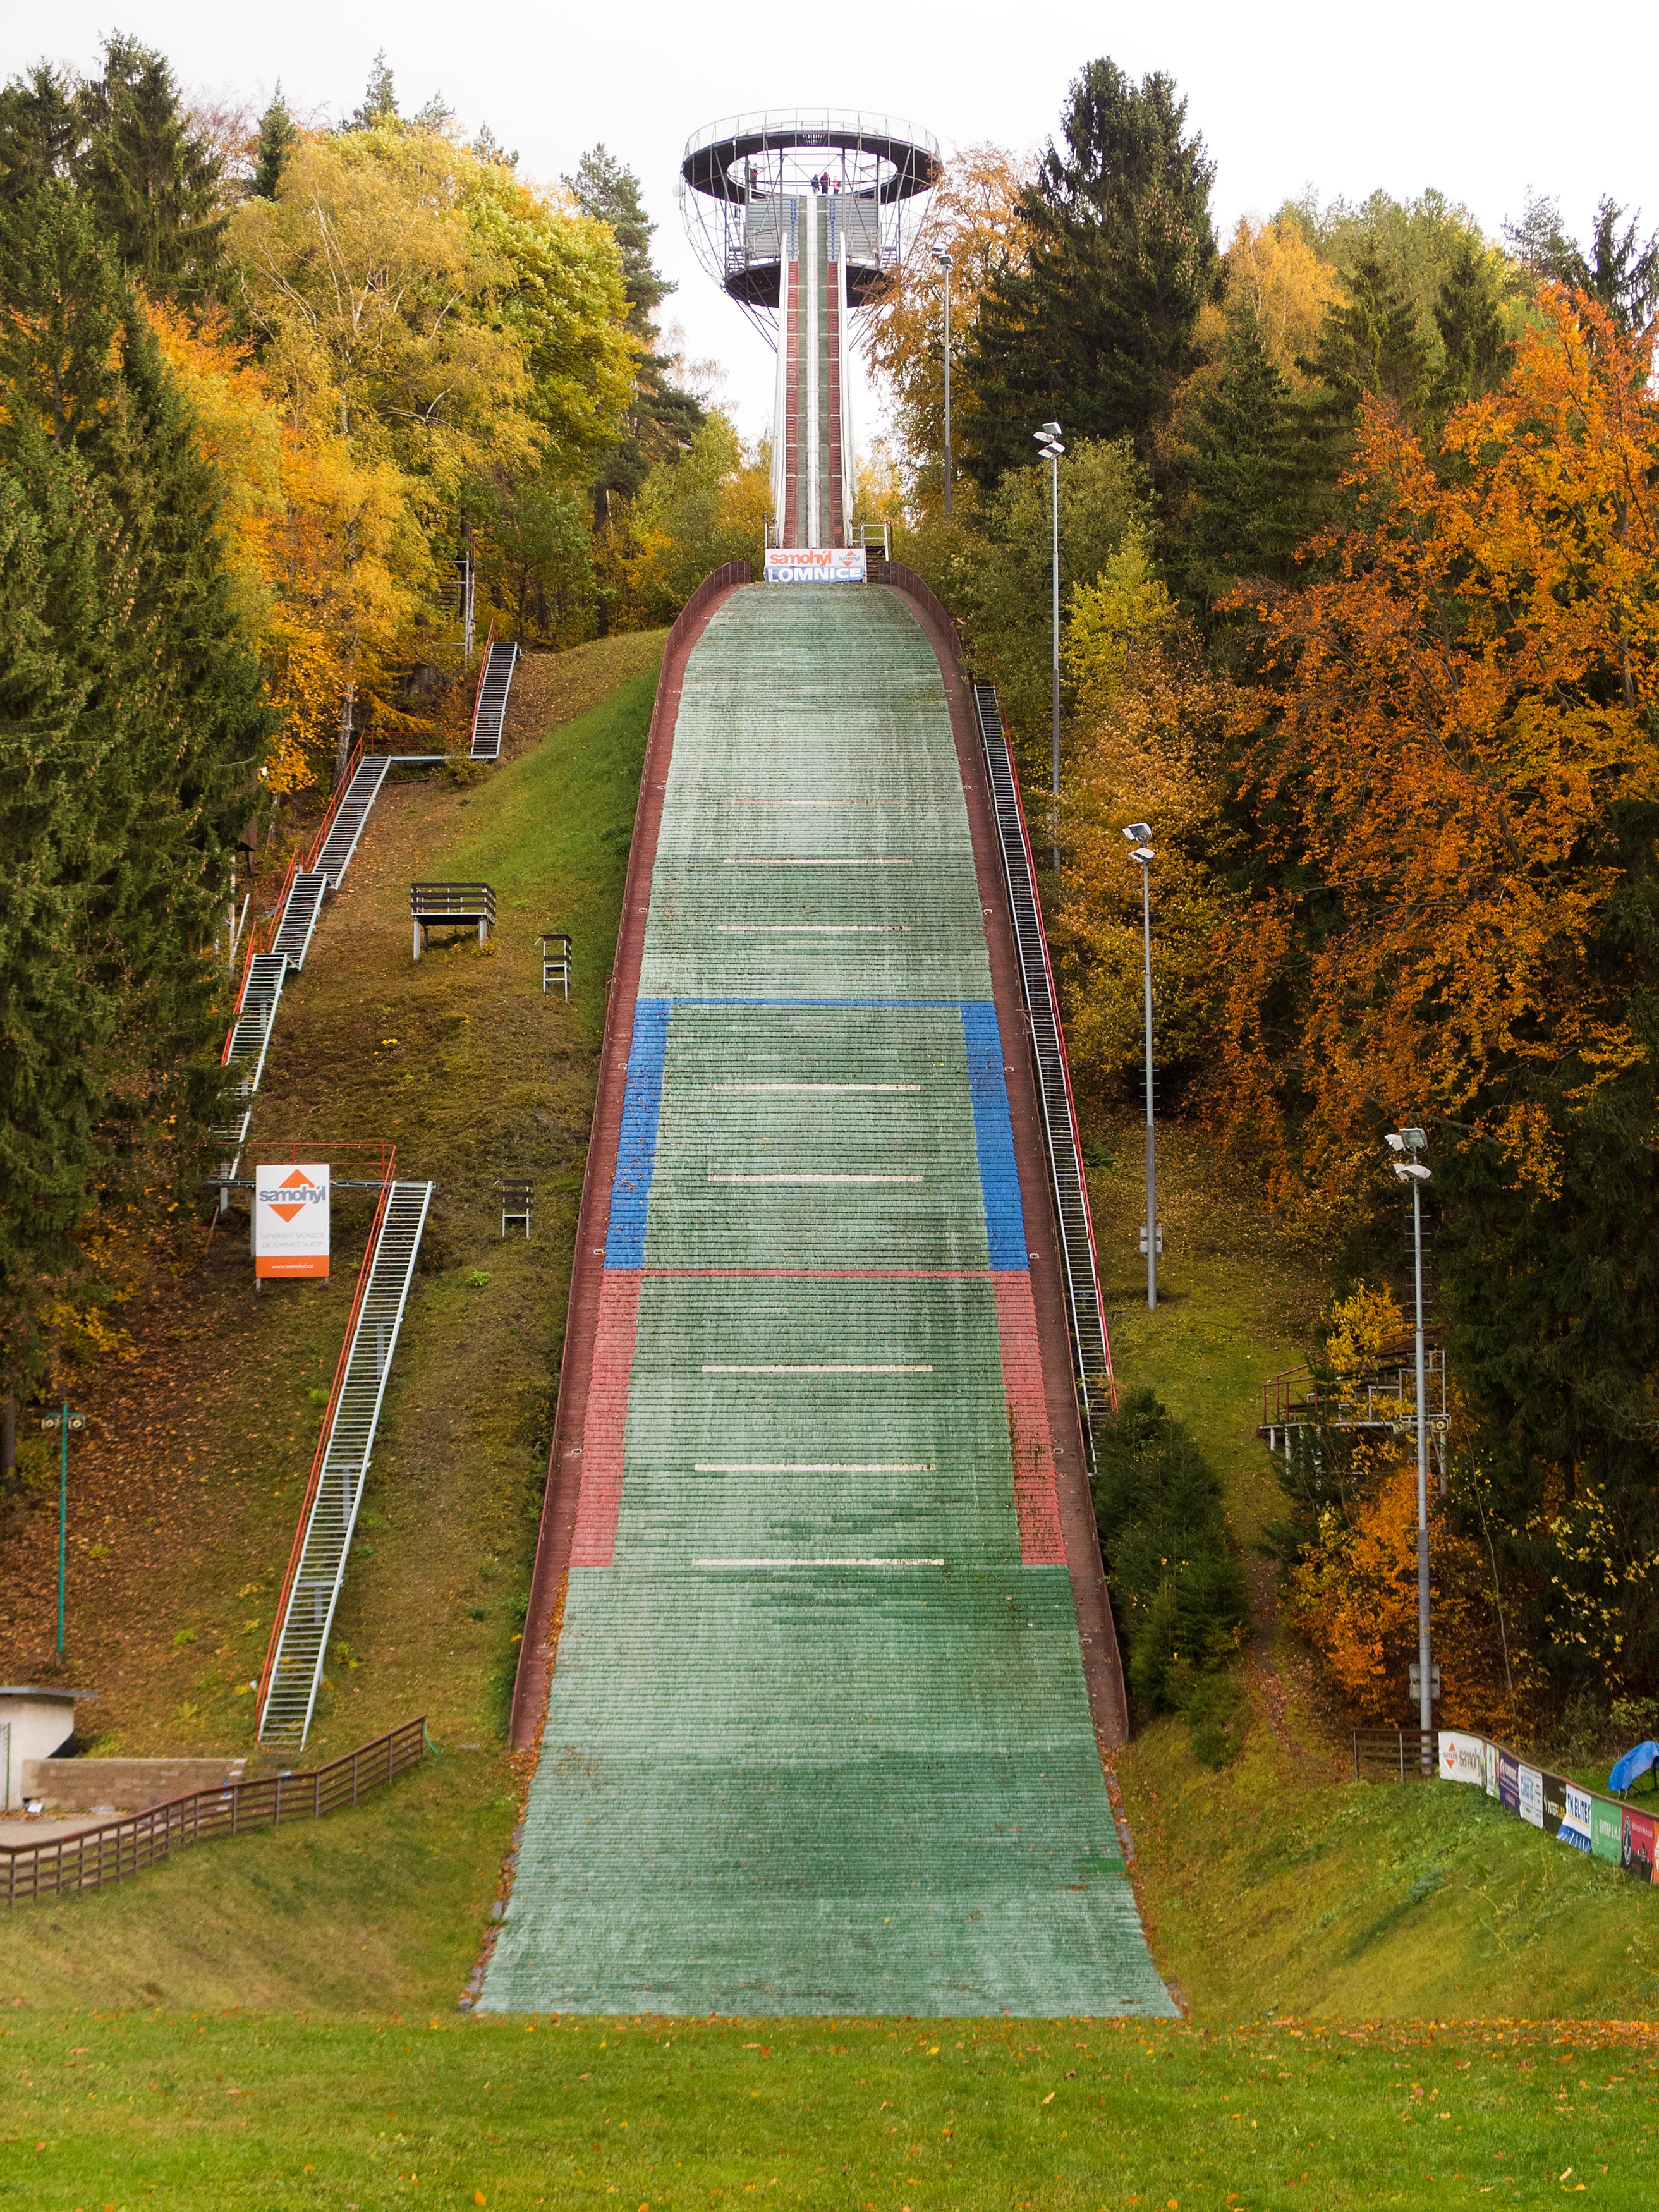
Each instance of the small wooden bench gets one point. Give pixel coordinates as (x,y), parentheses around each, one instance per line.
(443,906)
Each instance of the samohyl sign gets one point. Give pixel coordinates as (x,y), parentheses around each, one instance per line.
(290,1219)
(816,564)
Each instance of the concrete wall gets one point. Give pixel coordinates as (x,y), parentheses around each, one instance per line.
(76,1786)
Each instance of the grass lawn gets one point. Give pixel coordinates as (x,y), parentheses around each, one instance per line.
(225,2109)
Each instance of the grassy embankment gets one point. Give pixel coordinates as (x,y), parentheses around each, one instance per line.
(184,1494)
(1279,1886)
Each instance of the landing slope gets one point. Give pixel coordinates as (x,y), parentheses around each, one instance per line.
(818,1739)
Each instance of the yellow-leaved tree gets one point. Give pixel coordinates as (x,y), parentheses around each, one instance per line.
(1149,711)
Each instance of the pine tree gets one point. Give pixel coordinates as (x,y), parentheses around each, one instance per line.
(380,101)
(1470,316)
(663,419)
(277,141)
(153,187)
(1257,473)
(42,131)
(131,726)
(1097,329)
(1371,342)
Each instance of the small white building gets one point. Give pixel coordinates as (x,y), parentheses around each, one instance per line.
(34,1722)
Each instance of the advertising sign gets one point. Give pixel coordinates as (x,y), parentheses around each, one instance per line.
(1607,1831)
(1529,1795)
(1555,1803)
(1575,1828)
(1509,1781)
(1489,1767)
(816,564)
(290,1220)
(1462,1758)
(1637,1847)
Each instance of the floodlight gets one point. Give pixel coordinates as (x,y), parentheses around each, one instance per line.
(1143,853)
(1413,1139)
(1394,1144)
(1138,832)
(1412,1171)
(943,259)
(1049,430)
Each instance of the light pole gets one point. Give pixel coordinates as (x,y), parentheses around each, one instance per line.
(1050,448)
(1406,1145)
(64,1421)
(943,259)
(1151,1237)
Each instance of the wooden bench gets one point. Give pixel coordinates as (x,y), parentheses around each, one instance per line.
(442,906)
(515,1206)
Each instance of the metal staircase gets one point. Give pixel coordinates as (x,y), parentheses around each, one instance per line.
(349,816)
(311,1591)
(490,711)
(1092,1351)
(300,912)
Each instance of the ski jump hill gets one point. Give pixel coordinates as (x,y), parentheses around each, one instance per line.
(819,1665)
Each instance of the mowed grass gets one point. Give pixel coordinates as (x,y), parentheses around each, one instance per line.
(858,2116)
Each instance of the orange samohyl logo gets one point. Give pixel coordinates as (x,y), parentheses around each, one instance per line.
(303,1188)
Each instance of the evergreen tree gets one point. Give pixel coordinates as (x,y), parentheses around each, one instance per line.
(1257,474)
(277,139)
(155,188)
(131,726)
(42,131)
(1097,329)
(1370,343)
(663,419)
(1469,315)
(380,101)
(1620,270)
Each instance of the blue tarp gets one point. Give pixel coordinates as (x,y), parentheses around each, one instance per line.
(1634,1763)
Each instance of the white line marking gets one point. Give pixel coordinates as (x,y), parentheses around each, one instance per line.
(834,860)
(818,1563)
(813,928)
(841,1368)
(713,1177)
(811,1466)
(825,802)
(816,1086)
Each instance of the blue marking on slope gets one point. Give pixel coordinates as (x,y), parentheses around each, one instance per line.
(994,1133)
(636,1145)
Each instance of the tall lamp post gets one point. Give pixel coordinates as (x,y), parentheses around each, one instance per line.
(1406,1145)
(67,1418)
(944,261)
(1050,448)
(1151,1237)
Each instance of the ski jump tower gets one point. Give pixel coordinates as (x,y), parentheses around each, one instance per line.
(800,216)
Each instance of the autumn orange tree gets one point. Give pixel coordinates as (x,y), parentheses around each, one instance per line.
(1450,774)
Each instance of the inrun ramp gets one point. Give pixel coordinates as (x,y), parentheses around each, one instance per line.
(818,1739)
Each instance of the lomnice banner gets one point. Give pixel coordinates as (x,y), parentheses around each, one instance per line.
(816,564)
(290,1220)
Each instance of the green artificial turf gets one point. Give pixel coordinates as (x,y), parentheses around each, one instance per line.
(223,2110)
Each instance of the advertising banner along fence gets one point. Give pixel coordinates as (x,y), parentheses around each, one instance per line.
(290,1219)
(1581,1818)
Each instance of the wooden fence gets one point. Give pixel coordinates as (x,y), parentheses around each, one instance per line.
(117,1848)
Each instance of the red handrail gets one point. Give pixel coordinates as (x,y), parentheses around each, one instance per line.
(298,1551)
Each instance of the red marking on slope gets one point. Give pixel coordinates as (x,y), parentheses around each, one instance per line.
(837,1274)
(1036,1496)
(599,1501)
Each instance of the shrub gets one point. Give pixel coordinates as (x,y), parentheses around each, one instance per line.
(1179,1592)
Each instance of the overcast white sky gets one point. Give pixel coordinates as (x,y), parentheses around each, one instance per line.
(1482,100)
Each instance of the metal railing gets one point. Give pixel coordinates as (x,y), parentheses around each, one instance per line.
(1395,1754)
(116,1849)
